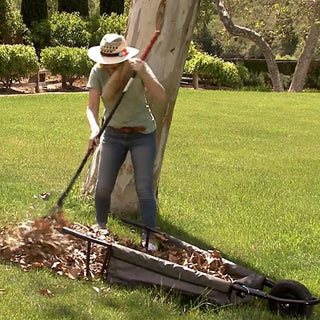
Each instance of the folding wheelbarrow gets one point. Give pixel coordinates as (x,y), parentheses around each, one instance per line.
(128,266)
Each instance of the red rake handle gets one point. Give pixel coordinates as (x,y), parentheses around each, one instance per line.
(151,43)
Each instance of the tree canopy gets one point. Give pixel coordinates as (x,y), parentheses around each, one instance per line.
(283,24)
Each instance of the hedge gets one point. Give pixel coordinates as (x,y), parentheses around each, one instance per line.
(17,61)
(70,63)
(69,29)
(215,71)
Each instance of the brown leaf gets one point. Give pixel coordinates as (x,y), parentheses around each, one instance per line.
(61,220)
(74,273)
(3,291)
(46,292)
(173,258)
(37,265)
(40,244)
(43,225)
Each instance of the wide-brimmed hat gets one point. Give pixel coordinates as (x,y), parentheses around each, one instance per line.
(112,49)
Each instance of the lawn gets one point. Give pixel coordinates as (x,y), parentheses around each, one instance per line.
(241,173)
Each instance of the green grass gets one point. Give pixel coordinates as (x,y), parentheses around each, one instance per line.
(241,173)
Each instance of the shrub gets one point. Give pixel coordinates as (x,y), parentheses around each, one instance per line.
(70,63)
(258,81)
(17,61)
(286,80)
(68,29)
(100,25)
(214,70)
(243,72)
(192,51)
(12,28)
(40,34)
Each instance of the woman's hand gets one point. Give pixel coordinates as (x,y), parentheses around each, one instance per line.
(92,115)
(93,143)
(138,65)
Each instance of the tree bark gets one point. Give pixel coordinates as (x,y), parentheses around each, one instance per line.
(236,30)
(166,59)
(195,81)
(301,70)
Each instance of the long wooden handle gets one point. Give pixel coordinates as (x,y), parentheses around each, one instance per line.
(151,43)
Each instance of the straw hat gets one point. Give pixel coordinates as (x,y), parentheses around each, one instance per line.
(112,49)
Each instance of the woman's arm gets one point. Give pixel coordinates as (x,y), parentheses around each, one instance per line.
(152,85)
(93,116)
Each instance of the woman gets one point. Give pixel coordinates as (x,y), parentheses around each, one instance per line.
(131,128)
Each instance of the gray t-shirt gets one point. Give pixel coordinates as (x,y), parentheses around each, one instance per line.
(133,110)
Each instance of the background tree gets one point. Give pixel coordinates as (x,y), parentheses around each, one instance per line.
(70,6)
(202,34)
(279,22)
(110,6)
(301,70)
(12,28)
(166,59)
(33,11)
(237,30)
(35,14)
(69,29)
(290,16)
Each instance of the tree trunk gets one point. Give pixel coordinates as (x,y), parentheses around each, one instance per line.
(195,81)
(166,59)
(257,39)
(109,6)
(70,6)
(301,70)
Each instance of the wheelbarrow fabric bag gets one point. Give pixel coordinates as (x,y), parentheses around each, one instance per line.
(132,267)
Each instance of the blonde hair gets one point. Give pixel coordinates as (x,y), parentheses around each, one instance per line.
(117,81)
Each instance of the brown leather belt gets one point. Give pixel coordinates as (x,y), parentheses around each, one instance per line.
(129,129)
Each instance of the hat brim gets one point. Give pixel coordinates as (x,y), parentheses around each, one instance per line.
(95,54)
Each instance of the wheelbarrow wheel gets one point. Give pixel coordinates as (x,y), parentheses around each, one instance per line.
(290,289)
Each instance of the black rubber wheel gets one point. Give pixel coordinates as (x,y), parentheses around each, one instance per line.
(290,289)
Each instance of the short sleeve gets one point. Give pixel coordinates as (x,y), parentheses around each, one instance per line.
(94,79)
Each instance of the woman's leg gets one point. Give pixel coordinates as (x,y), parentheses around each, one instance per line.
(113,154)
(143,152)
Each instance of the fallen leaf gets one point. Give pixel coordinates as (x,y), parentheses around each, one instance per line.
(38,244)
(45,196)
(37,265)
(96,289)
(46,292)
(3,291)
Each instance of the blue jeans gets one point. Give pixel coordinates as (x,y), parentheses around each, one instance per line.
(114,148)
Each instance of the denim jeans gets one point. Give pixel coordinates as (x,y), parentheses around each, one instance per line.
(114,148)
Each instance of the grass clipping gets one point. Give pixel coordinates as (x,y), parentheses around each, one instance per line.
(40,244)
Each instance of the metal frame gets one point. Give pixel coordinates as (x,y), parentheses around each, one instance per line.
(240,289)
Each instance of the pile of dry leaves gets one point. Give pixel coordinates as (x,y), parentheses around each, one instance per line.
(40,244)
